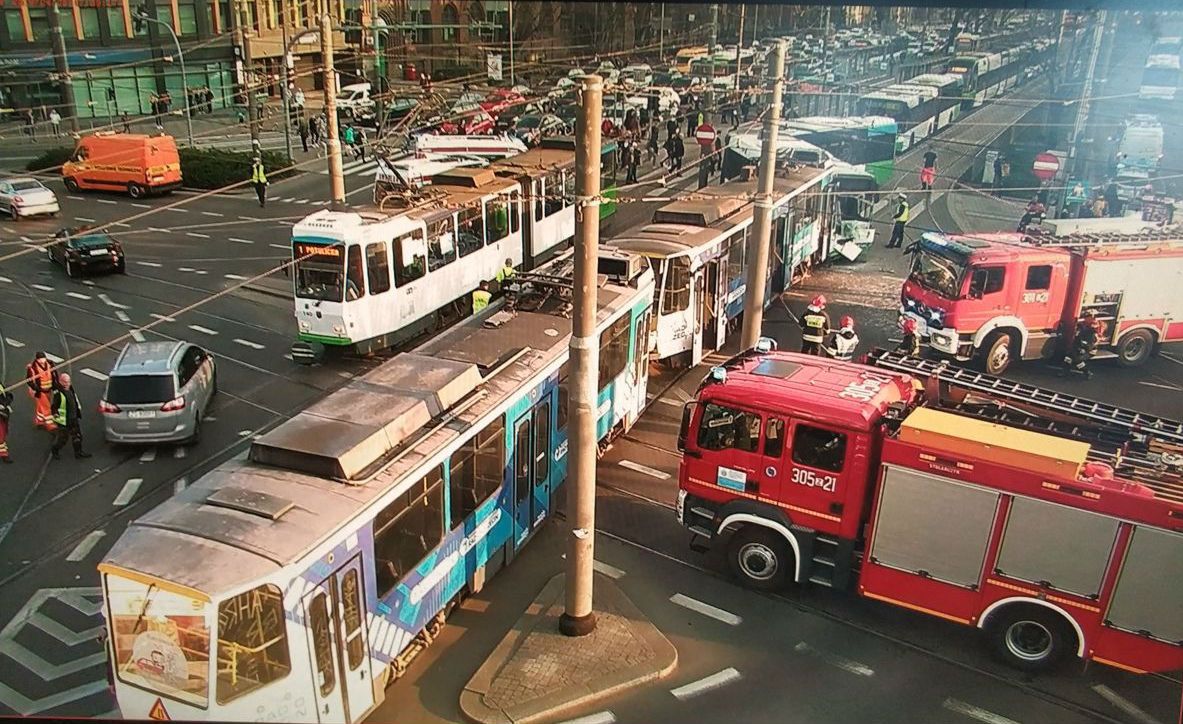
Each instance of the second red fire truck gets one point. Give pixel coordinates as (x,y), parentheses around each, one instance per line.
(1051,522)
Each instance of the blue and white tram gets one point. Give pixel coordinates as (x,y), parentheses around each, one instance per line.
(367,280)
(295,584)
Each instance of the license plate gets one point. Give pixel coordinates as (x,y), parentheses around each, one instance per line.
(99,252)
(141,414)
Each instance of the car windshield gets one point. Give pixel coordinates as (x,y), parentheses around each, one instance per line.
(90,241)
(27,185)
(529,122)
(140,389)
(937,273)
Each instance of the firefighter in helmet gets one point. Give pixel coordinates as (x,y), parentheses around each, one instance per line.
(910,344)
(815,325)
(844,340)
(1084,344)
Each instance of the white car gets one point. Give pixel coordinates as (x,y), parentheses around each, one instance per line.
(575,73)
(354,100)
(26,196)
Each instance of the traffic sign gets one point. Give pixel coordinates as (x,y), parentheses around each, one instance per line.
(705,134)
(1045,167)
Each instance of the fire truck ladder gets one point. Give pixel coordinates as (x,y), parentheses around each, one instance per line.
(1040,238)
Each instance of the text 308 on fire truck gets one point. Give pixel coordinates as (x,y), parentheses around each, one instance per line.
(946,491)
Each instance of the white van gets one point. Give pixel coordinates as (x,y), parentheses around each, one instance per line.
(1142,145)
(354,99)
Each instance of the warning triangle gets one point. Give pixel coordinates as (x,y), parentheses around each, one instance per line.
(157,712)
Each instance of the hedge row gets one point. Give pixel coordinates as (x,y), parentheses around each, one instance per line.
(202,168)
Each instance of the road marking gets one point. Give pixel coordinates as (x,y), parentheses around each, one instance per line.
(199,272)
(76,198)
(185,268)
(1124,704)
(248,343)
(26,239)
(203,330)
(158,230)
(1173,388)
(610,571)
(87,282)
(42,287)
(137,335)
(53,358)
(128,492)
(285,247)
(845,664)
(14,342)
(288,223)
(705,684)
(180,484)
(671,402)
(244,433)
(122,315)
(250,218)
(94,373)
(148,455)
(236,240)
(121,224)
(1171,357)
(177,209)
(301,201)
(78,295)
(212,213)
(645,470)
(196,234)
(974,712)
(179,452)
(6,280)
(107,300)
(162,317)
(600,717)
(706,609)
(84,218)
(235,276)
(152,264)
(137,205)
(106,201)
(86,545)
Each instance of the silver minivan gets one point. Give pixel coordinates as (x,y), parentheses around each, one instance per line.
(158,392)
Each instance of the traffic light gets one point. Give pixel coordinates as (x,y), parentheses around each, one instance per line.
(138,18)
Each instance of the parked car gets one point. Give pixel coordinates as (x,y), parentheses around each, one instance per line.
(26,196)
(158,392)
(354,100)
(468,121)
(501,99)
(533,127)
(563,89)
(80,250)
(396,110)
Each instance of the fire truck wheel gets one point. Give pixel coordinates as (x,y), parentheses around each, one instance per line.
(997,353)
(1135,348)
(759,558)
(1030,638)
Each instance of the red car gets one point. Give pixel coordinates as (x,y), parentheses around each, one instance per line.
(501,99)
(468,121)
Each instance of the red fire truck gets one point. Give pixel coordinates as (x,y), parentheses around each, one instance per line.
(1051,522)
(995,298)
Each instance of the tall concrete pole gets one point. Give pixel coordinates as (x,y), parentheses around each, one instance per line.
(62,66)
(336,176)
(512,79)
(1082,109)
(240,37)
(284,79)
(714,26)
(758,246)
(578,618)
(661,36)
(739,45)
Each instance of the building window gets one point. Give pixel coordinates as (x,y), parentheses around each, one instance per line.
(90,23)
(164,13)
(39,23)
(115,23)
(16,25)
(408,529)
(66,19)
(450,17)
(187,15)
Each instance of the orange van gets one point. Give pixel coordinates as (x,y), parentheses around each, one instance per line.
(132,162)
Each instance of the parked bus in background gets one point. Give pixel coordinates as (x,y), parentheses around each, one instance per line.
(684,56)
(1160,79)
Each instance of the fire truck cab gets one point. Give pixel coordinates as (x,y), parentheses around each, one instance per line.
(1052,523)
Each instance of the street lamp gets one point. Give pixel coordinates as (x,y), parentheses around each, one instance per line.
(141,14)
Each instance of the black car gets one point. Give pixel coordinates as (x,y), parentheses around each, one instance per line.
(81,250)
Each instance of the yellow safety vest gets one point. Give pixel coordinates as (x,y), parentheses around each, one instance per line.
(59,412)
(480,300)
(815,327)
(904,213)
(505,273)
(258,176)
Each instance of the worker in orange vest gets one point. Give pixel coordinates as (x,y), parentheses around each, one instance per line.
(42,379)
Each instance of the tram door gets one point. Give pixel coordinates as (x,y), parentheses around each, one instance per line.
(531,468)
(336,624)
(711,333)
(699,301)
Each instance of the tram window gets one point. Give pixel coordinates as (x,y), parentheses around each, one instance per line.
(351,613)
(522,459)
(515,211)
(322,645)
(472,230)
(354,276)
(676,295)
(252,642)
(377,267)
(496,219)
(553,200)
(735,256)
(538,191)
(410,258)
(475,471)
(613,351)
(441,244)
(818,448)
(407,529)
(728,428)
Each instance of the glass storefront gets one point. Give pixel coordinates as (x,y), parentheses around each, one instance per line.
(134,87)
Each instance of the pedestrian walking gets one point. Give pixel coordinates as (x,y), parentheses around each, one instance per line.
(671,127)
(928,172)
(691,122)
(259,180)
(55,122)
(302,129)
(653,141)
(30,124)
(67,416)
(997,174)
(1112,200)
(360,143)
(815,325)
(348,135)
(126,123)
(745,107)
(910,342)
(5,416)
(679,152)
(634,161)
(42,380)
(901,216)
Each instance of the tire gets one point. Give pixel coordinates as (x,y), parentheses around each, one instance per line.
(72,270)
(759,558)
(121,268)
(12,212)
(195,438)
(997,354)
(1135,348)
(1030,638)
(71,185)
(136,191)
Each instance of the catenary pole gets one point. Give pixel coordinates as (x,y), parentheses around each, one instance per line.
(240,37)
(336,176)
(62,66)
(753,312)
(578,619)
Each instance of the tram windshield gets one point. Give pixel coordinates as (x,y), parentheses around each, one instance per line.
(160,640)
(320,271)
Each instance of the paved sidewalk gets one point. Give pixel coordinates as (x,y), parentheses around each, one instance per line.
(536,673)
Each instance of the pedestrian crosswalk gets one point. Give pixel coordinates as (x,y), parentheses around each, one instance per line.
(356,168)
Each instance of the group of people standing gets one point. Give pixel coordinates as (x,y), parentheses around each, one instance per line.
(201,100)
(56,408)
